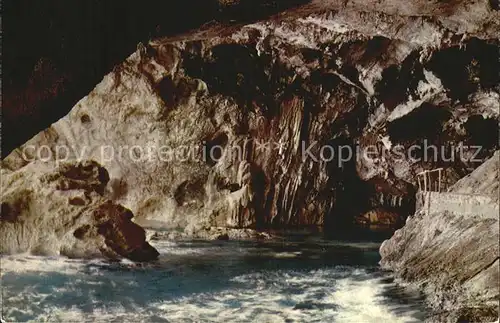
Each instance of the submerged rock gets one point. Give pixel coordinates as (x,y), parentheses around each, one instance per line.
(453,256)
(212,233)
(50,209)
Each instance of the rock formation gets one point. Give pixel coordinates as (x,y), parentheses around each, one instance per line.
(379,219)
(225,126)
(453,256)
(212,233)
(267,123)
(68,47)
(50,209)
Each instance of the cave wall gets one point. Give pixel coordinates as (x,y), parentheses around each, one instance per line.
(55,52)
(329,77)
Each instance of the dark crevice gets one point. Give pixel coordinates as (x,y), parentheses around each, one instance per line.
(167,91)
(350,192)
(494,4)
(482,132)
(236,71)
(400,81)
(463,69)
(85,118)
(260,185)
(214,148)
(190,192)
(425,122)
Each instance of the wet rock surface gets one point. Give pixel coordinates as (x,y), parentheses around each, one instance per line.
(212,233)
(451,256)
(49,210)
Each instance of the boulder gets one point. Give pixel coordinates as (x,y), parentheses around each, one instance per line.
(50,209)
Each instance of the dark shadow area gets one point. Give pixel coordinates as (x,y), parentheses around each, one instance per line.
(463,69)
(234,70)
(56,51)
(190,192)
(400,81)
(167,90)
(482,132)
(494,4)
(214,148)
(425,122)
(482,138)
(351,194)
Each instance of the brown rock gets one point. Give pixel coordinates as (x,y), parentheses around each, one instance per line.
(60,209)
(379,218)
